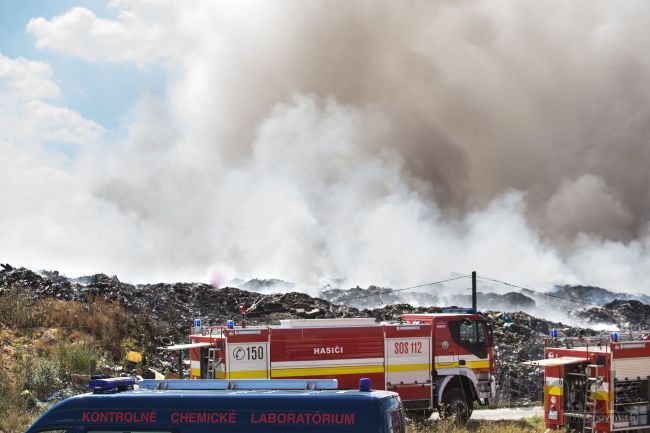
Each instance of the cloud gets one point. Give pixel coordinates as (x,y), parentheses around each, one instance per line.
(22,79)
(47,214)
(26,118)
(49,122)
(81,33)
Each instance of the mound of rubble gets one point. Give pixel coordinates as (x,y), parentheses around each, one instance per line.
(596,295)
(625,314)
(174,304)
(375,297)
(518,336)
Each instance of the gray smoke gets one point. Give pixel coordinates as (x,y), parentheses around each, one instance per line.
(381,142)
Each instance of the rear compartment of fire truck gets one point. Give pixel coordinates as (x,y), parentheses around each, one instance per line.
(604,383)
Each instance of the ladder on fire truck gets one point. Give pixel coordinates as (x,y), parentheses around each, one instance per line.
(595,376)
(591,388)
(213,363)
(211,366)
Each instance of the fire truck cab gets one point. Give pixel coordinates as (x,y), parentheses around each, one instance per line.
(433,361)
(597,383)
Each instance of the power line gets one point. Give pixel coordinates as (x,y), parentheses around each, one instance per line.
(385,292)
(550,295)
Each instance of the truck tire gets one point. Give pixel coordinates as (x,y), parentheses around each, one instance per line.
(456,405)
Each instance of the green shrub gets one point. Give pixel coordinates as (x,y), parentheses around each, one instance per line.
(46,377)
(76,358)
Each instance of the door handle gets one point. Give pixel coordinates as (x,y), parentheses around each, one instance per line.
(461,362)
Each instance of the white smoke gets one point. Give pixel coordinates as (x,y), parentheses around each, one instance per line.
(382,143)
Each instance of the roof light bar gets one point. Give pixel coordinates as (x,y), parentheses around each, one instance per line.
(111,384)
(459,310)
(242,384)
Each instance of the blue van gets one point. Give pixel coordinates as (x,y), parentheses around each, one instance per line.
(229,406)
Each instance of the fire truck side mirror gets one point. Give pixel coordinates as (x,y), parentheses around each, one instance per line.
(490,332)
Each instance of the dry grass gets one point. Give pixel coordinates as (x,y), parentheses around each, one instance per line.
(17,309)
(529,425)
(44,343)
(17,407)
(107,323)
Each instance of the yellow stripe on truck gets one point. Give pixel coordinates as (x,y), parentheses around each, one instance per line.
(326,371)
(478,364)
(348,369)
(247,374)
(396,368)
(468,364)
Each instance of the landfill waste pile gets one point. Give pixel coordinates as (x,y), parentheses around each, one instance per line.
(625,314)
(375,296)
(174,304)
(518,336)
(596,295)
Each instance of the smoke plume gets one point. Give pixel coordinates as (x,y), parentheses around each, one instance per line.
(380,142)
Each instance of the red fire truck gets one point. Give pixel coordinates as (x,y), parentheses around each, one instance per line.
(434,361)
(597,383)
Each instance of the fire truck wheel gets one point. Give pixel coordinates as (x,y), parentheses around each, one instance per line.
(455,405)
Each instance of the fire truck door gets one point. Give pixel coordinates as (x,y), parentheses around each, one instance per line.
(471,343)
(248,359)
(444,347)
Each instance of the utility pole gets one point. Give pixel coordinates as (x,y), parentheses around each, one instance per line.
(474,290)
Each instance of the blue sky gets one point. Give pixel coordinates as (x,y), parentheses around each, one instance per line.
(102,92)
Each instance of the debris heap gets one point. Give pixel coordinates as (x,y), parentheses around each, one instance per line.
(518,336)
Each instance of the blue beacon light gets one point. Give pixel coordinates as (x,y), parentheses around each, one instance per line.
(111,384)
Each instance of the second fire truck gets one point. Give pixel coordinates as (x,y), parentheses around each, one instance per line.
(597,384)
(440,361)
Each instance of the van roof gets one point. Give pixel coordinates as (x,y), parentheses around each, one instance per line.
(212,393)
